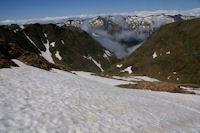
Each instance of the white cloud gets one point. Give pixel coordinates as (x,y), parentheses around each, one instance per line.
(192,12)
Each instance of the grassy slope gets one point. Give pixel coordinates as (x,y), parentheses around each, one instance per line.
(182,40)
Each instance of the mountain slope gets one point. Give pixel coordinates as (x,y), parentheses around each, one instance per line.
(122,34)
(34,100)
(69,46)
(170,54)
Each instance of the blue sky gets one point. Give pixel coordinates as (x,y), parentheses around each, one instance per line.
(25,9)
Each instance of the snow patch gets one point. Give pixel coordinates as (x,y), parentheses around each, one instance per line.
(62,42)
(52,44)
(22,27)
(31,40)
(108,52)
(145,78)
(168,52)
(105,56)
(58,55)
(95,35)
(154,55)
(119,65)
(95,62)
(128,69)
(136,78)
(47,53)
(16,30)
(196,90)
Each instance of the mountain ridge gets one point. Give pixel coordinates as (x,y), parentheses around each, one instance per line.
(69,46)
(170,54)
(191,12)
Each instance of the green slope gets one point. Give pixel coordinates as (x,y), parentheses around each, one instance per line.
(177,47)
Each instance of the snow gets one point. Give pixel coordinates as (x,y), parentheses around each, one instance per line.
(136,78)
(96,22)
(119,65)
(145,78)
(108,53)
(22,27)
(47,53)
(128,69)
(91,76)
(35,100)
(16,30)
(196,90)
(105,56)
(62,42)
(58,55)
(168,52)
(52,44)
(154,55)
(95,34)
(95,62)
(30,40)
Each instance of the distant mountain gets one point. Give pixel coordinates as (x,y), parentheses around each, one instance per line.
(48,44)
(170,54)
(193,12)
(122,34)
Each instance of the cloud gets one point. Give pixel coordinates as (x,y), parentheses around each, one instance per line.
(192,12)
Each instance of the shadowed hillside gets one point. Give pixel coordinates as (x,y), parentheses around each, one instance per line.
(70,46)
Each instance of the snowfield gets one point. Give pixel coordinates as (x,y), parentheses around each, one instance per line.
(35,100)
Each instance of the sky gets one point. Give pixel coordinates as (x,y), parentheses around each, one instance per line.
(27,9)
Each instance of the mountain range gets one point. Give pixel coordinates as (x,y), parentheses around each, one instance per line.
(116,44)
(123,34)
(170,54)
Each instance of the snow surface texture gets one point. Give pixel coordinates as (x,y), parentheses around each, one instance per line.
(35,100)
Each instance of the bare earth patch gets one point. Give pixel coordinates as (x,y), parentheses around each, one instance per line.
(157,86)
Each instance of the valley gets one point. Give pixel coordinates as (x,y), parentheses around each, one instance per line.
(135,72)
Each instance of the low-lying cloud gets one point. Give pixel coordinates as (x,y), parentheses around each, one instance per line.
(192,12)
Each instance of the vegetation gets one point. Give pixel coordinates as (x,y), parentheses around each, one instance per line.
(177,47)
